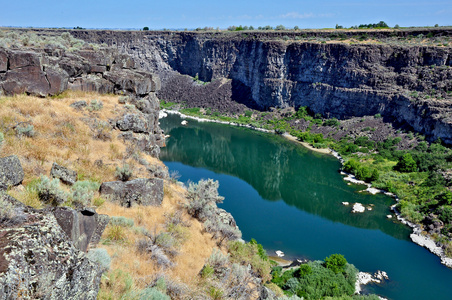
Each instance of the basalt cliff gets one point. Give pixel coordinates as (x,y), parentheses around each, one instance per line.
(407,83)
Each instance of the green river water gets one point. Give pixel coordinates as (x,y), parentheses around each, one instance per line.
(289,198)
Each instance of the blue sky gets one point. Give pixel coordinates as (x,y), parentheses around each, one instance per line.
(194,13)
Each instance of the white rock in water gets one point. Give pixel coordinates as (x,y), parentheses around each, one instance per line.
(184,122)
(389,216)
(358,208)
(345,203)
(373,191)
(162,114)
(369,208)
(279,253)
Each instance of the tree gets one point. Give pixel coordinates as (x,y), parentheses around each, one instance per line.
(406,164)
(145,28)
(336,263)
(280,27)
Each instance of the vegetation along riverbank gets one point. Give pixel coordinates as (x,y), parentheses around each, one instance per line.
(388,156)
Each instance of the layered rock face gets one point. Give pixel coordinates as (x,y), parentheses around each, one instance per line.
(335,79)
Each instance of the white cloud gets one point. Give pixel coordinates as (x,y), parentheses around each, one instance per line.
(296,15)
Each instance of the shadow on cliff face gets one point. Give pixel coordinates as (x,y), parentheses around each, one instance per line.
(242,94)
(223,95)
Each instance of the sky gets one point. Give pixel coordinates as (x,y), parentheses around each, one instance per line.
(190,14)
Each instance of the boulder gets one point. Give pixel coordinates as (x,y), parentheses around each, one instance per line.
(145,142)
(92,83)
(140,191)
(66,175)
(58,80)
(11,172)
(96,57)
(73,66)
(38,261)
(84,227)
(136,82)
(29,79)
(21,59)
(134,122)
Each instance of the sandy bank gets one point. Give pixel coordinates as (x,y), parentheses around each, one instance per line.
(164,113)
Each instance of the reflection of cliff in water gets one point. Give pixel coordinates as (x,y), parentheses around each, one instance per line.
(277,169)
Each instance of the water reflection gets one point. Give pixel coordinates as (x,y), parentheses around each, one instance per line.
(277,169)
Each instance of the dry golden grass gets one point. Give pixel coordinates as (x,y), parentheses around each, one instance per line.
(193,253)
(63,135)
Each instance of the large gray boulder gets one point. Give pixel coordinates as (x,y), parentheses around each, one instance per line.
(11,172)
(29,79)
(84,227)
(140,191)
(38,261)
(92,83)
(135,122)
(66,175)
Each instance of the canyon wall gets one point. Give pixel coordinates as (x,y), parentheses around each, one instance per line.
(408,84)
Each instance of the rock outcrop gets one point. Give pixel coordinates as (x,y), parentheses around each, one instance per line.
(50,71)
(38,261)
(11,172)
(64,174)
(138,191)
(84,227)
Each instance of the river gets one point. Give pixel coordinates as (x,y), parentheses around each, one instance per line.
(289,198)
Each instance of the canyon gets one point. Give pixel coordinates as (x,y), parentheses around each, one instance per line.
(357,75)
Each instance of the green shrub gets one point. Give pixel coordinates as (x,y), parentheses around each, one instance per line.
(152,293)
(303,271)
(191,111)
(351,166)
(50,192)
(315,281)
(95,105)
(217,259)
(25,129)
(123,99)
(82,192)
(121,221)
(302,112)
(335,262)
(123,173)
(2,138)
(249,253)
(100,256)
(248,113)
(207,271)
(202,198)
(331,122)
(406,164)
